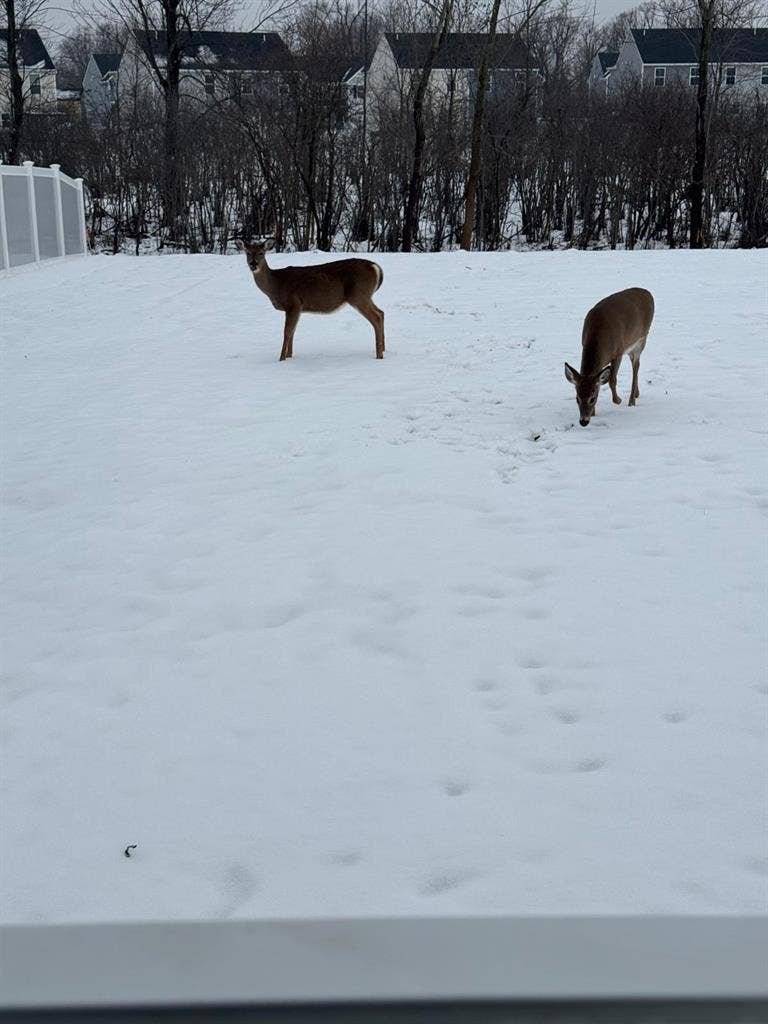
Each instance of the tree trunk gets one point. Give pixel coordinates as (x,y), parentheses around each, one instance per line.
(16,92)
(410,226)
(172,199)
(700,152)
(470,203)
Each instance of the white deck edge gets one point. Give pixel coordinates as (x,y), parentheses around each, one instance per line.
(386,960)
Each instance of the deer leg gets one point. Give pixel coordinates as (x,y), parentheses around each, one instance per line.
(374,316)
(635,392)
(612,381)
(291,319)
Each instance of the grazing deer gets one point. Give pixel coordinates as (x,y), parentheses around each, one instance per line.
(617,326)
(319,289)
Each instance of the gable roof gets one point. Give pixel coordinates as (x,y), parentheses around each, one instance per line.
(681,46)
(107,62)
(608,60)
(32,47)
(228,51)
(459,50)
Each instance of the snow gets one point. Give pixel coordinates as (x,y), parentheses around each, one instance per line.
(339,636)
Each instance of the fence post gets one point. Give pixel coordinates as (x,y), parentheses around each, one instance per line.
(59,211)
(83,234)
(4,226)
(32,208)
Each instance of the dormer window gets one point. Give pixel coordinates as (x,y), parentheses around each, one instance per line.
(659,76)
(730,76)
(34,85)
(693,75)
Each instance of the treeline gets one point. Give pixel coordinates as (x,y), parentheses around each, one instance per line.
(561,165)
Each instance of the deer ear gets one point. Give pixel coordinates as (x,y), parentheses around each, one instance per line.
(239,245)
(269,243)
(571,374)
(605,373)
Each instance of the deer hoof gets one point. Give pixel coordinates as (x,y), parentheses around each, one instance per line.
(616,400)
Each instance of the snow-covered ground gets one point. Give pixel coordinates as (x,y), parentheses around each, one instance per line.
(346,637)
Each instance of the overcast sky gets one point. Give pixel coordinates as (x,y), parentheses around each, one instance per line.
(59,18)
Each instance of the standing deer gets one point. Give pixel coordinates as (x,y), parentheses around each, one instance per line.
(617,326)
(320,289)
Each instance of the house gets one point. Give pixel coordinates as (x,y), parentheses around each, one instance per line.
(100,84)
(69,97)
(37,71)
(658,57)
(214,65)
(600,71)
(399,55)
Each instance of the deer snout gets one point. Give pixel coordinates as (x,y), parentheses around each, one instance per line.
(584,423)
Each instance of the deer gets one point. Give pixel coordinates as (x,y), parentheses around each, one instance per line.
(617,326)
(318,289)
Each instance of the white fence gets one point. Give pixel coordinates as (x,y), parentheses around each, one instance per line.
(42,215)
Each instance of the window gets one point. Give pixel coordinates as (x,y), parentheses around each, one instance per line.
(246,85)
(659,76)
(730,76)
(693,76)
(764,77)
(210,84)
(358,92)
(34,85)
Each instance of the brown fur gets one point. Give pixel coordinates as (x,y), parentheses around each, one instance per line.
(617,325)
(320,289)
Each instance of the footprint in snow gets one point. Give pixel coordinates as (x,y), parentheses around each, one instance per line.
(455,786)
(442,882)
(238,885)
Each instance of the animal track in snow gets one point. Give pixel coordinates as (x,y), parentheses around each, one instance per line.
(281,615)
(535,613)
(347,858)
(455,786)
(238,886)
(675,715)
(445,881)
(478,590)
(568,716)
(484,685)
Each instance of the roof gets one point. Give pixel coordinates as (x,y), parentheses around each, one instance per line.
(459,50)
(33,51)
(681,46)
(68,81)
(107,62)
(608,59)
(246,51)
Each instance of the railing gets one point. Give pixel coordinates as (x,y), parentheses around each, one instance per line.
(42,215)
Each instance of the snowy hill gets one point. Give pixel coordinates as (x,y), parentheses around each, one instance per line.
(339,636)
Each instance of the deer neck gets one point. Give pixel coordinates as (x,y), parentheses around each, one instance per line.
(264,277)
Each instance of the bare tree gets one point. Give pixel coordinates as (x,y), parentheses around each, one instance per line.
(483,80)
(411,219)
(20,15)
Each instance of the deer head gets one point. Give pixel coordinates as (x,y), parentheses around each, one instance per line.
(255,252)
(587,389)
